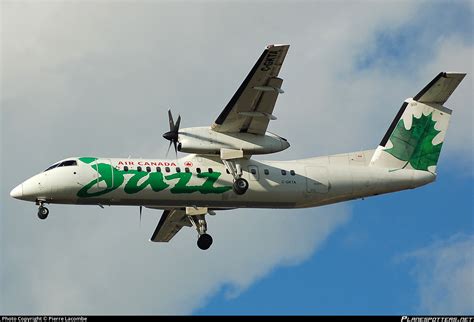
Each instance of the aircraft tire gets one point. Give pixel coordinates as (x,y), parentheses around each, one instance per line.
(240,186)
(43,213)
(204,241)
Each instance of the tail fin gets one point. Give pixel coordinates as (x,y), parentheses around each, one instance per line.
(416,135)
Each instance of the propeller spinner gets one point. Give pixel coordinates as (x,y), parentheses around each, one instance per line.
(172,134)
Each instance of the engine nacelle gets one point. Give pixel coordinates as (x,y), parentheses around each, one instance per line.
(203,140)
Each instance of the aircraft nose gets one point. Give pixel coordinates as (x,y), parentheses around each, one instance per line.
(17,192)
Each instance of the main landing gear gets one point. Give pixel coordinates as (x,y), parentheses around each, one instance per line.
(240,185)
(43,212)
(205,240)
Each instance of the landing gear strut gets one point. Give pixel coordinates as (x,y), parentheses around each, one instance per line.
(204,241)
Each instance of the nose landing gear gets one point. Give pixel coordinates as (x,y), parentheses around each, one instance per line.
(43,212)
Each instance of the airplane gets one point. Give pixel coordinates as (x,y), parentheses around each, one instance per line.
(219,173)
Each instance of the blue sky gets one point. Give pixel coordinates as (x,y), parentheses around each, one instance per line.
(406,46)
(99,77)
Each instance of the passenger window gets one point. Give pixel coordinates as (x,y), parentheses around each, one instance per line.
(158,169)
(227,170)
(178,169)
(266,171)
(167,169)
(253,171)
(148,169)
(186,170)
(125,168)
(139,169)
(198,170)
(283,172)
(209,170)
(292,172)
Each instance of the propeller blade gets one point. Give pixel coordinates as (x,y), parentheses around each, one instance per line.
(141,215)
(170,120)
(169,146)
(172,134)
(176,126)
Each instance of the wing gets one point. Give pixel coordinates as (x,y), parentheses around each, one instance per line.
(170,223)
(251,107)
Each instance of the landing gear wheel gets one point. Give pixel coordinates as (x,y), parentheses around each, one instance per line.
(240,186)
(43,212)
(204,241)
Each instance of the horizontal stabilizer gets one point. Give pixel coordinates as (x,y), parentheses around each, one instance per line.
(440,88)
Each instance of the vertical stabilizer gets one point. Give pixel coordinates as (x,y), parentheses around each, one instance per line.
(416,135)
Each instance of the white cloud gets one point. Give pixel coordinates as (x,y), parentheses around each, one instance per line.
(444,272)
(99,262)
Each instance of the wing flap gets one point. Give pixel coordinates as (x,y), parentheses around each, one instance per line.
(259,125)
(170,224)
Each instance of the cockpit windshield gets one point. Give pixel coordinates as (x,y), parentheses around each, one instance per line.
(52,167)
(66,163)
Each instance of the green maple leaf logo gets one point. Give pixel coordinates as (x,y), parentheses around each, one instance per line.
(415,145)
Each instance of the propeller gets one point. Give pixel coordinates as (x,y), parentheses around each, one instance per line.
(172,134)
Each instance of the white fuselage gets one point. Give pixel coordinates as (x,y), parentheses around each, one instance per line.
(203,182)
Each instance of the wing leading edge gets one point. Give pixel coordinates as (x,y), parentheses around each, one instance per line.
(251,107)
